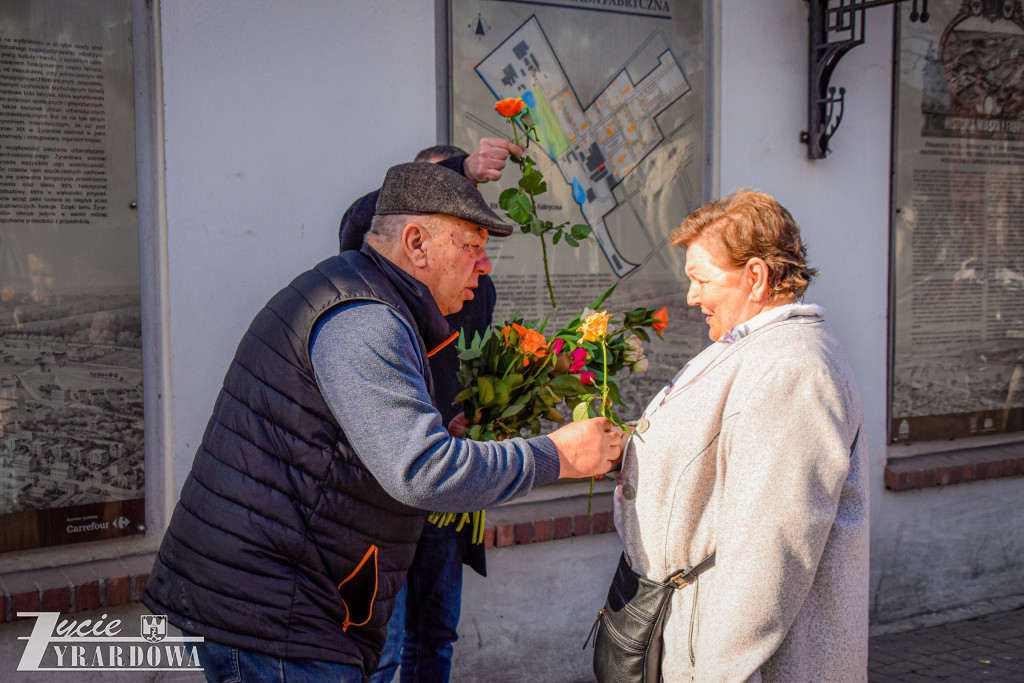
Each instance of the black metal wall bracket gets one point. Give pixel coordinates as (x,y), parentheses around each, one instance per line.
(836,27)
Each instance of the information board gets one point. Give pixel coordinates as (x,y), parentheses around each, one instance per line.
(958,222)
(71,399)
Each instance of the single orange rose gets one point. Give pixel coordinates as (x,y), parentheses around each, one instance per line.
(510,106)
(594,326)
(661,320)
(531,342)
(7,293)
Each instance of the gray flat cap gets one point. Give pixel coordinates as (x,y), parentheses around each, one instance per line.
(419,187)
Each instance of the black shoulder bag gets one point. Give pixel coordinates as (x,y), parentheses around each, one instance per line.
(627,645)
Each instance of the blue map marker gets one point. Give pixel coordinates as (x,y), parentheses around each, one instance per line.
(577,192)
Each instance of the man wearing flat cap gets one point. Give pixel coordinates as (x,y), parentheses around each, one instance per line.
(324,453)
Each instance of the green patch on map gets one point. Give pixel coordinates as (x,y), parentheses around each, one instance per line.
(550,131)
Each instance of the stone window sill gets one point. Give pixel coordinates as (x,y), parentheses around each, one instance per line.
(954,467)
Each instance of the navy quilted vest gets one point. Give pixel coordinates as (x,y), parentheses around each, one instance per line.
(283,542)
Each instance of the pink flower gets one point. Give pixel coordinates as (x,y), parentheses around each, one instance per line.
(556,347)
(579,359)
(587,377)
(634,349)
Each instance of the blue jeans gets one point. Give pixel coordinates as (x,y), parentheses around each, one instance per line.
(225,664)
(391,656)
(433,605)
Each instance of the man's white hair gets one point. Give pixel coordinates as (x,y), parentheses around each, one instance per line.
(389,228)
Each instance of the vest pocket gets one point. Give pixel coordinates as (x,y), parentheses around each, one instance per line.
(359,590)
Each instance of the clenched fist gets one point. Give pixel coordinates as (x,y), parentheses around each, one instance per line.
(488,159)
(588,447)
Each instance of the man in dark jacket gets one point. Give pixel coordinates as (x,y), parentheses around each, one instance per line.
(300,517)
(424,626)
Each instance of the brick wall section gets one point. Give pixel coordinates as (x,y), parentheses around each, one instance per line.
(550,520)
(954,467)
(93,585)
(75,588)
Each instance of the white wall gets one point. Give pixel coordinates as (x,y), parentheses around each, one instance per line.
(277,116)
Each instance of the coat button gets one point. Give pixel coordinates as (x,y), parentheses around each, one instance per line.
(642,425)
(628,492)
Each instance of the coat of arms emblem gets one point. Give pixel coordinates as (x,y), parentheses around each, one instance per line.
(154,627)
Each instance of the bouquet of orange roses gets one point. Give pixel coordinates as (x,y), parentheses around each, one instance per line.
(514,376)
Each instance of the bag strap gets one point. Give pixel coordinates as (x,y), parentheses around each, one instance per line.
(684,577)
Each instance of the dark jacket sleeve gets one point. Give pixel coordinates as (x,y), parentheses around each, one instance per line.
(475,316)
(356,222)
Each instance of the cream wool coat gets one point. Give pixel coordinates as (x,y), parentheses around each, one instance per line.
(752,460)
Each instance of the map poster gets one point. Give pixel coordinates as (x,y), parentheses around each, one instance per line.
(617,93)
(958,222)
(71,416)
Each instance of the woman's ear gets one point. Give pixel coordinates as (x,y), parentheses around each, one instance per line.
(757,274)
(414,241)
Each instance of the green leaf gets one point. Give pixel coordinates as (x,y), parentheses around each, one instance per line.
(613,393)
(531,180)
(469,354)
(542,187)
(571,241)
(582,410)
(511,410)
(565,385)
(519,208)
(463,395)
(486,389)
(596,304)
(537,227)
(580,231)
(557,237)
(501,393)
(506,197)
